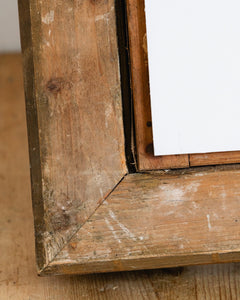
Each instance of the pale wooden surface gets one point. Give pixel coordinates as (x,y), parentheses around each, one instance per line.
(74,105)
(18,279)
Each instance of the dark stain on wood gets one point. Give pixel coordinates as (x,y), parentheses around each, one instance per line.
(95,2)
(149,149)
(60,220)
(174,272)
(56,85)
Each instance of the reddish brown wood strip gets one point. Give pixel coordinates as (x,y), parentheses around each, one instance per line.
(141,95)
(217,158)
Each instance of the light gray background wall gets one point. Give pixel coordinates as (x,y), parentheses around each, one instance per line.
(9,27)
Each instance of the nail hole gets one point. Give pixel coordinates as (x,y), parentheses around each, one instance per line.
(149,149)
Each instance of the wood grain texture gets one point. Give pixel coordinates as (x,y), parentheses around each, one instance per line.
(74,112)
(141,94)
(157,220)
(18,279)
(218,158)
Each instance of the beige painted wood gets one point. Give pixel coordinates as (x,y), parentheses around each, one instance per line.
(18,276)
(157,220)
(74,111)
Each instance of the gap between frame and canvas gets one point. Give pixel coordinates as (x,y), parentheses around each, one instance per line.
(158,220)
(69,82)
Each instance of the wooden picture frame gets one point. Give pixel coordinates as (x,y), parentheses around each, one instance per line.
(93,211)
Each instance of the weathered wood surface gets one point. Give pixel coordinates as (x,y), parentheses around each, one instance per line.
(141,95)
(18,279)
(157,220)
(74,112)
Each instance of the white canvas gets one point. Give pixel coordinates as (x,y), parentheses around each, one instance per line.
(9,26)
(194,66)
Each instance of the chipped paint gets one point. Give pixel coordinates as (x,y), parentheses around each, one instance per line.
(112,230)
(209,222)
(48,18)
(192,187)
(101,193)
(195,205)
(170,190)
(176,194)
(108,114)
(200,174)
(104,16)
(123,227)
(223,193)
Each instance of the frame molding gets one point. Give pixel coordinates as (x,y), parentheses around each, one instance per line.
(74,114)
(90,214)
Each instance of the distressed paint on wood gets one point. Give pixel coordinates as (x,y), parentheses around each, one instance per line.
(141,94)
(18,279)
(77,141)
(74,111)
(158,220)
